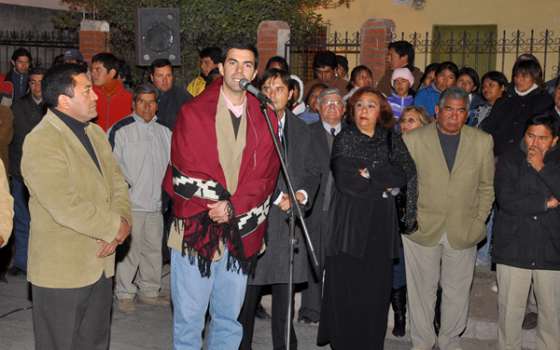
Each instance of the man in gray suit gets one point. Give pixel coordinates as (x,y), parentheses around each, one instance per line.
(331,110)
(273,265)
(455,166)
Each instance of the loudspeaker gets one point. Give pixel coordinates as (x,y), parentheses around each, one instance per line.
(157,35)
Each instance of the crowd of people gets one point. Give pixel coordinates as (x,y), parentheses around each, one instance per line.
(405,186)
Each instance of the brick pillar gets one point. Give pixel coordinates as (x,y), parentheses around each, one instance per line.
(94,38)
(375,35)
(272,37)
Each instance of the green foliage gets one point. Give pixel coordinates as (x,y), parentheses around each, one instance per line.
(204,22)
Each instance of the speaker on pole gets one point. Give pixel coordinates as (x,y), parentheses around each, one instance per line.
(157,35)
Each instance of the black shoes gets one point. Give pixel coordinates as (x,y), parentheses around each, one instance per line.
(261,313)
(398,301)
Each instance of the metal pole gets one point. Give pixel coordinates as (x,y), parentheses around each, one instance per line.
(280,151)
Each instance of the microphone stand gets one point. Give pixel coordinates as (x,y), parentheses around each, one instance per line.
(292,223)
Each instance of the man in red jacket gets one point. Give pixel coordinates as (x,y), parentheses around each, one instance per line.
(223,171)
(114,101)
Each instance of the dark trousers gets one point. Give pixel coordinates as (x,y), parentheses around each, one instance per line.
(73,318)
(279,313)
(311,301)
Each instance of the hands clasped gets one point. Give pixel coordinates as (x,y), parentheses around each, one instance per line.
(108,248)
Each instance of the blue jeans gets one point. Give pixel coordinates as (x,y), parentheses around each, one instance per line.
(224,291)
(484,255)
(21,222)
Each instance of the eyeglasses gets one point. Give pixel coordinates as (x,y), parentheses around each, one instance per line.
(333,103)
(369,106)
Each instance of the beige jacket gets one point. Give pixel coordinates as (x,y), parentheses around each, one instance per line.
(72,204)
(6,134)
(455,203)
(6,207)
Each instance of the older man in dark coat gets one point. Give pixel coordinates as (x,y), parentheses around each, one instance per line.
(322,137)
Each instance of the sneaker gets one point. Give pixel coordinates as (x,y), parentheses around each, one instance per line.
(159,300)
(494,287)
(126,305)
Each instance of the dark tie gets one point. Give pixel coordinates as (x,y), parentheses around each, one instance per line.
(333,132)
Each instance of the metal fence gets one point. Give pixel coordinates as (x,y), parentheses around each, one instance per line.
(44,46)
(300,54)
(484,51)
(487,51)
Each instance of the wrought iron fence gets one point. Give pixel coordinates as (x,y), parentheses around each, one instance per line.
(487,51)
(483,51)
(44,46)
(300,54)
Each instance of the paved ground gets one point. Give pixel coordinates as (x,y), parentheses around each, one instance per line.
(150,326)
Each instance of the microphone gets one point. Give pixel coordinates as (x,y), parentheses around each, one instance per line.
(247,86)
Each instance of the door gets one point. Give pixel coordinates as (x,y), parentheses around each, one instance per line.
(471,45)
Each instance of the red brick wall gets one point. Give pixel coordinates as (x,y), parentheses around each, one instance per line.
(93,42)
(268,41)
(375,34)
(94,38)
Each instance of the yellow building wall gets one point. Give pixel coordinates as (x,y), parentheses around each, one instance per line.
(509,15)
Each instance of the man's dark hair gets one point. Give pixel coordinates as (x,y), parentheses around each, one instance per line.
(158,63)
(276,73)
(58,60)
(324,59)
(496,76)
(124,72)
(528,66)
(243,45)
(472,74)
(59,80)
(432,67)
(37,71)
(547,120)
(447,65)
(108,60)
(214,53)
(342,61)
(212,75)
(280,60)
(404,48)
(21,52)
(357,70)
(145,88)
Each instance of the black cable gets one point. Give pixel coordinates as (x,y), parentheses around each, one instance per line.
(16,310)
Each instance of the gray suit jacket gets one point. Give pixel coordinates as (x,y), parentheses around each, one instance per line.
(458,202)
(272,266)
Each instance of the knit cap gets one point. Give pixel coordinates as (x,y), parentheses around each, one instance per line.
(403,73)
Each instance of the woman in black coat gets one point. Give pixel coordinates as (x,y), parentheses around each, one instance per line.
(525,98)
(367,161)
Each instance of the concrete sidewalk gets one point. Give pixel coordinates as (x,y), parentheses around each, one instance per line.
(150,326)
